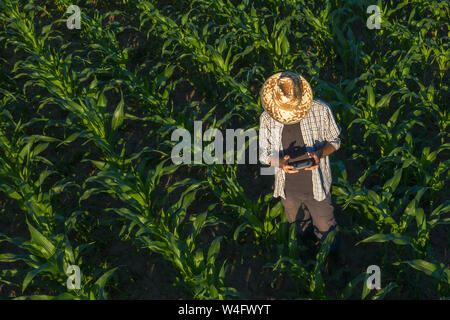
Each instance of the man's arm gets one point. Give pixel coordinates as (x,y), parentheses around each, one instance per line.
(331,129)
(264,141)
(268,155)
(331,135)
(325,150)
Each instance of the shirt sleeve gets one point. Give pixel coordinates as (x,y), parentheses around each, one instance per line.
(265,147)
(332,129)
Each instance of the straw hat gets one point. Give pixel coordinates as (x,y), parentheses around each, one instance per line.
(286,96)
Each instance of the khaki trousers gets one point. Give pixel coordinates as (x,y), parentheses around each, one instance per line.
(319,213)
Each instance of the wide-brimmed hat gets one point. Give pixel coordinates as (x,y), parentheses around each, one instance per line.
(286,96)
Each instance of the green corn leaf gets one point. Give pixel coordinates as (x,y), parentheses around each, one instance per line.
(238,230)
(392,183)
(370,96)
(436,213)
(394,237)
(44,174)
(11,257)
(325,249)
(102,101)
(413,207)
(37,137)
(213,250)
(276,210)
(198,223)
(384,101)
(382,293)
(47,267)
(41,243)
(366,289)
(67,296)
(285,45)
(101,283)
(118,116)
(439,272)
(35,297)
(198,258)
(350,287)
(393,119)
(10,192)
(73,137)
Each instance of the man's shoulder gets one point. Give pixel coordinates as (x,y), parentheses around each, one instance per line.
(265,117)
(319,104)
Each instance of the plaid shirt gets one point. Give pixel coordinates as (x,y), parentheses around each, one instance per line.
(318,126)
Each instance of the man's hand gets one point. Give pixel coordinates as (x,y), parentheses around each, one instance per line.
(326,150)
(283,164)
(315,157)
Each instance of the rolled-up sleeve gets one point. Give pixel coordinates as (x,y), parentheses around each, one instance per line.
(332,130)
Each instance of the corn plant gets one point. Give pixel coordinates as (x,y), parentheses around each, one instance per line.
(50,258)
(306,275)
(160,229)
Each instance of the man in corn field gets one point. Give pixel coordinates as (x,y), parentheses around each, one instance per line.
(294,126)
